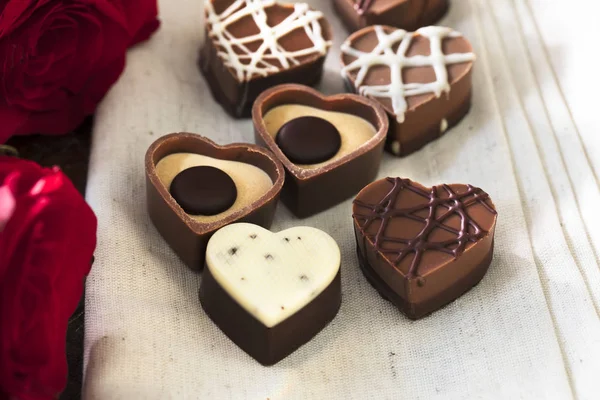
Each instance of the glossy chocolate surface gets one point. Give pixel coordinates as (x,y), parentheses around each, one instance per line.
(203,190)
(311,190)
(268,345)
(187,236)
(308,140)
(405,14)
(232,44)
(428,115)
(423,247)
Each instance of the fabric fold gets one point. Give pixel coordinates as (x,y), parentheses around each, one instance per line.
(529,330)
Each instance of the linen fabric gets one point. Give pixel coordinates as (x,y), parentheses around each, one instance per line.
(529,330)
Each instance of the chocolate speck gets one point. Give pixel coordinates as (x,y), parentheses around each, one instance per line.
(242,278)
(299,238)
(282,307)
(253,236)
(268,257)
(286,239)
(233,251)
(391,354)
(303,278)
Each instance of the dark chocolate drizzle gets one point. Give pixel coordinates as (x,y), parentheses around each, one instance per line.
(362,6)
(455,204)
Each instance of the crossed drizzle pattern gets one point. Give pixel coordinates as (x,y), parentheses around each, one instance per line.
(396,61)
(454,204)
(270,57)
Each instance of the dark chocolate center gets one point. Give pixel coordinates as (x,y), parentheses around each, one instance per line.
(308,140)
(203,190)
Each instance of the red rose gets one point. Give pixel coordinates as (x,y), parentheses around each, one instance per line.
(58,58)
(47,238)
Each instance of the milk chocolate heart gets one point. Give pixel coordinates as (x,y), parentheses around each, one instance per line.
(252,45)
(423,247)
(423,79)
(330,146)
(271,292)
(404,14)
(195,187)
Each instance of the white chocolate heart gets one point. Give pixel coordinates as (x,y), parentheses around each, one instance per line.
(272,275)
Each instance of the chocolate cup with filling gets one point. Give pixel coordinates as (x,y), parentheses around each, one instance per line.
(422,248)
(188,234)
(224,58)
(286,308)
(310,189)
(422,106)
(409,15)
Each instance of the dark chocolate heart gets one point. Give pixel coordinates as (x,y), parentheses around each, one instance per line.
(423,79)
(249,166)
(423,247)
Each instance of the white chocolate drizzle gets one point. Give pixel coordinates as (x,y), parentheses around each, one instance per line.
(383,54)
(261,62)
(396,148)
(443,125)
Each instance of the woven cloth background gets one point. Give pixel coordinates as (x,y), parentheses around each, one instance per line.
(530,329)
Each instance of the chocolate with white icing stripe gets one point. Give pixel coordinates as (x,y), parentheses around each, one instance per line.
(252,45)
(421,78)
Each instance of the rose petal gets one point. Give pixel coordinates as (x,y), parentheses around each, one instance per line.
(7,206)
(12,119)
(98,87)
(45,251)
(145,32)
(15,13)
(61,58)
(142,19)
(55,122)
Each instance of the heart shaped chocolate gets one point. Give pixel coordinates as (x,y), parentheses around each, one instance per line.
(404,14)
(423,79)
(195,187)
(422,248)
(345,133)
(253,45)
(271,292)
